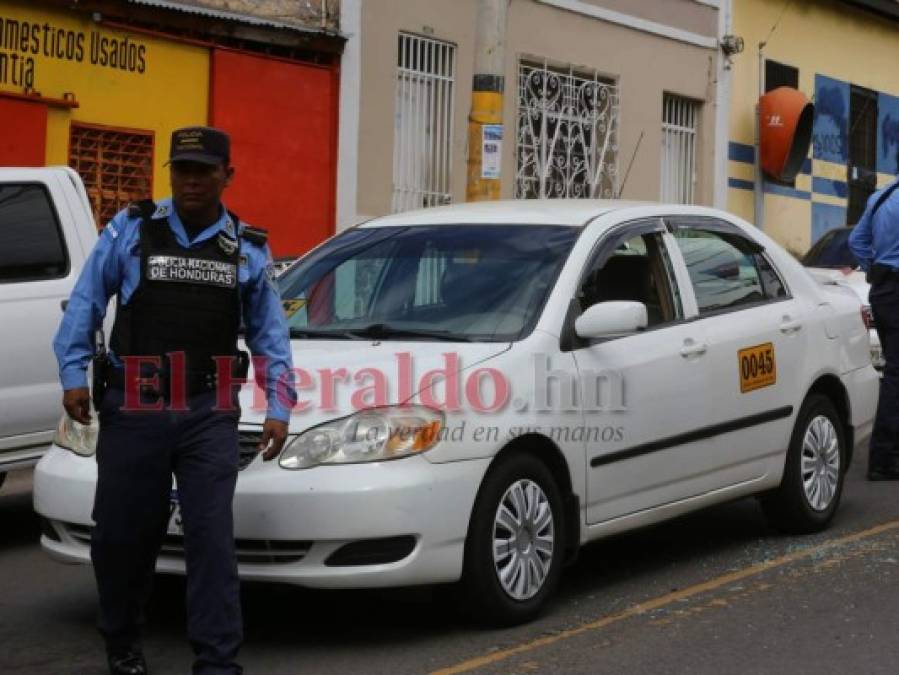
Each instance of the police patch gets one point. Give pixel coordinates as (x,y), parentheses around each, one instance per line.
(227,244)
(173,268)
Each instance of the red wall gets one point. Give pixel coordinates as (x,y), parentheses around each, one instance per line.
(282,117)
(23,133)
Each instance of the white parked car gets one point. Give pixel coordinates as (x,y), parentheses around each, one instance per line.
(46,233)
(831,261)
(486,387)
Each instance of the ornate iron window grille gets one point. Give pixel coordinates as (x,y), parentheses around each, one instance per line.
(567,142)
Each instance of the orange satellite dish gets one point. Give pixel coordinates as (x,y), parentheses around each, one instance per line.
(785,132)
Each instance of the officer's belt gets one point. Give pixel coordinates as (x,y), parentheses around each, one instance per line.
(159,383)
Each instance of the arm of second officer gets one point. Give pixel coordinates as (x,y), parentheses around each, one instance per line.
(74,342)
(268,337)
(861,240)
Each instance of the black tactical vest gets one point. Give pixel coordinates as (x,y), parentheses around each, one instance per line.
(187,300)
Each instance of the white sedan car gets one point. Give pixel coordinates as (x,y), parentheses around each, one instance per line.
(486,387)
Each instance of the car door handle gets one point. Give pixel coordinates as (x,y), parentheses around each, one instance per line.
(692,348)
(790,325)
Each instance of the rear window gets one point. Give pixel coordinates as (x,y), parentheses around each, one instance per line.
(31,244)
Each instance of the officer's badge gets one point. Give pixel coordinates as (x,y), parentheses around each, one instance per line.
(227,244)
(270,276)
(162,211)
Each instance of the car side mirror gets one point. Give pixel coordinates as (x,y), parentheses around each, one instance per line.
(611,319)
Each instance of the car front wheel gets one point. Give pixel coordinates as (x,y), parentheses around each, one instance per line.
(812,484)
(515,543)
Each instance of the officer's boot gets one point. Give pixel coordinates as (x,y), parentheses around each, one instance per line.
(129,662)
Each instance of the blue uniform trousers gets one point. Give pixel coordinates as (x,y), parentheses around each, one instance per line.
(884,449)
(137,453)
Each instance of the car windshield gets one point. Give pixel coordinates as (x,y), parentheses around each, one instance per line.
(446,282)
(831,250)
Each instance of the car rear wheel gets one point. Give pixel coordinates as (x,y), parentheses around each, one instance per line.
(812,484)
(515,543)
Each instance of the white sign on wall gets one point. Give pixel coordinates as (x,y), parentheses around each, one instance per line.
(491,150)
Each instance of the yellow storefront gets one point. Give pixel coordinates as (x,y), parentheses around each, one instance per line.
(843,59)
(107,98)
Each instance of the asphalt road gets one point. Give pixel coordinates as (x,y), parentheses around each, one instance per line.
(716,592)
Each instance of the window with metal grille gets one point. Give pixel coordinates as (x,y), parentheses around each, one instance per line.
(680,122)
(423,133)
(567,142)
(116,166)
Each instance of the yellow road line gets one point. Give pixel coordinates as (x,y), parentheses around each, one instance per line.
(663,600)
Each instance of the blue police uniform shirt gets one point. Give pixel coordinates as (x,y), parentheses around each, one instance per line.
(113,267)
(876,240)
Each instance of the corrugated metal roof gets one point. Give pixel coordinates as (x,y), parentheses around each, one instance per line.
(202,10)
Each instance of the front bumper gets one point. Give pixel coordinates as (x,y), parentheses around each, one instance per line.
(288,523)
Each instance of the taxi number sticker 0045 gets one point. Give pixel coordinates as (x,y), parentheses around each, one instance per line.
(758,367)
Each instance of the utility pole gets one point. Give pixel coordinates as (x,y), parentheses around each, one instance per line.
(759,182)
(485,122)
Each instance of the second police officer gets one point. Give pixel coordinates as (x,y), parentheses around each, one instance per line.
(186,273)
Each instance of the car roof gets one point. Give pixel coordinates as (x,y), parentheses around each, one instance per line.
(573,212)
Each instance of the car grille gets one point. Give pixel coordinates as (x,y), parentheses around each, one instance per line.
(247,447)
(253,551)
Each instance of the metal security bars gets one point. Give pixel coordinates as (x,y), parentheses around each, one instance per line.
(680,122)
(423,133)
(567,142)
(116,166)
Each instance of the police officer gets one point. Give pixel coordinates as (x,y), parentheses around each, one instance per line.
(186,271)
(875,243)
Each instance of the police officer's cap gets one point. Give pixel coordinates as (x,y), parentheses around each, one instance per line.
(206,145)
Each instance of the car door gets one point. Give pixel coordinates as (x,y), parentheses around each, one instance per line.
(651,387)
(757,341)
(36,274)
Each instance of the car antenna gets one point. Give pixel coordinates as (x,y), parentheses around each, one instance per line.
(628,172)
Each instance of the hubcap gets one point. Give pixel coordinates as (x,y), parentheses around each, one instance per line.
(820,463)
(523,539)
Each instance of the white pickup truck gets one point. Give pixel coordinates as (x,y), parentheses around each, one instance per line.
(46,233)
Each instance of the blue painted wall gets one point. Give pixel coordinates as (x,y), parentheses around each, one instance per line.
(826,217)
(831,129)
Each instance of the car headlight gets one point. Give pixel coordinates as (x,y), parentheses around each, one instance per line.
(371,435)
(79,438)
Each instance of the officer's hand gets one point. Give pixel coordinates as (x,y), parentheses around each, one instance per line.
(77,404)
(274,433)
